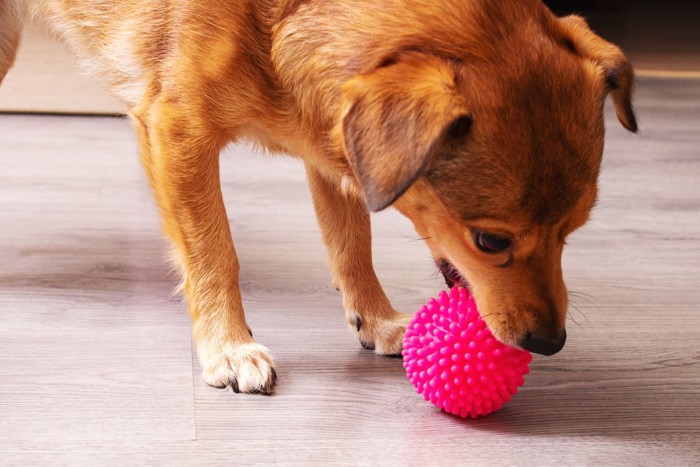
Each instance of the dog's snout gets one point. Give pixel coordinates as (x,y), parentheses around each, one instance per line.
(544,345)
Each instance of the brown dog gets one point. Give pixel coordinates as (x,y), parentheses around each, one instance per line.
(481,121)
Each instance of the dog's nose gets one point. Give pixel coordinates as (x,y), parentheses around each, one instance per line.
(543,346)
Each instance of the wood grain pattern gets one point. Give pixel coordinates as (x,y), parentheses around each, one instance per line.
(96,362)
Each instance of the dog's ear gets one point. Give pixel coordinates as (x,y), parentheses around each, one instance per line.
(394,119)
(619,75)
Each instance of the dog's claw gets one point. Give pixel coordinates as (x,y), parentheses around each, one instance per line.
(367,346)
(234,386)
(267,389)
(358,323)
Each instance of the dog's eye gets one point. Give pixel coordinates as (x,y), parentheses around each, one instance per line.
(460,127)
(491,243)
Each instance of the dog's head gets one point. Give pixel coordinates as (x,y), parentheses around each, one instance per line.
(494,156)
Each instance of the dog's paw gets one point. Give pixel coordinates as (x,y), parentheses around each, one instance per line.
(245,367)
(384,335)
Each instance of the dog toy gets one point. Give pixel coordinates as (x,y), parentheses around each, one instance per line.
(454,361)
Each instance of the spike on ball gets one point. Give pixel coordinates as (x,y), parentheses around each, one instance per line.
(454,361)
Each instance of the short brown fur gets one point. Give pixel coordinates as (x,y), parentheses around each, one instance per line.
(468,117)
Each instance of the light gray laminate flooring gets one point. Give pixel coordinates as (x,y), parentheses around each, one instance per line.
(97,364)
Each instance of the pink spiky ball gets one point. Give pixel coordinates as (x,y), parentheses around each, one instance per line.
(454,361)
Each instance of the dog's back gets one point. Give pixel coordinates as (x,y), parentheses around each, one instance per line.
(114,41)
(216,54)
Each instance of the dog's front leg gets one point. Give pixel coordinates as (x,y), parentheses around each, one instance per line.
(345,225)
(181,159)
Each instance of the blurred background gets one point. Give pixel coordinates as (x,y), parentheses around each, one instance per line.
(655,35)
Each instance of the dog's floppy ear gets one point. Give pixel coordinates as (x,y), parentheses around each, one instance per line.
(394,119)
(619,75)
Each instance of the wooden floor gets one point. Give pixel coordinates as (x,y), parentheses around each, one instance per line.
(97,365)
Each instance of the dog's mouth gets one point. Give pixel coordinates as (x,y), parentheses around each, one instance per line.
(451,274)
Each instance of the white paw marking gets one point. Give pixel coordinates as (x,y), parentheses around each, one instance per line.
(246,367)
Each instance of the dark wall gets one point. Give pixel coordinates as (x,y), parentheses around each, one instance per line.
(563,7)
